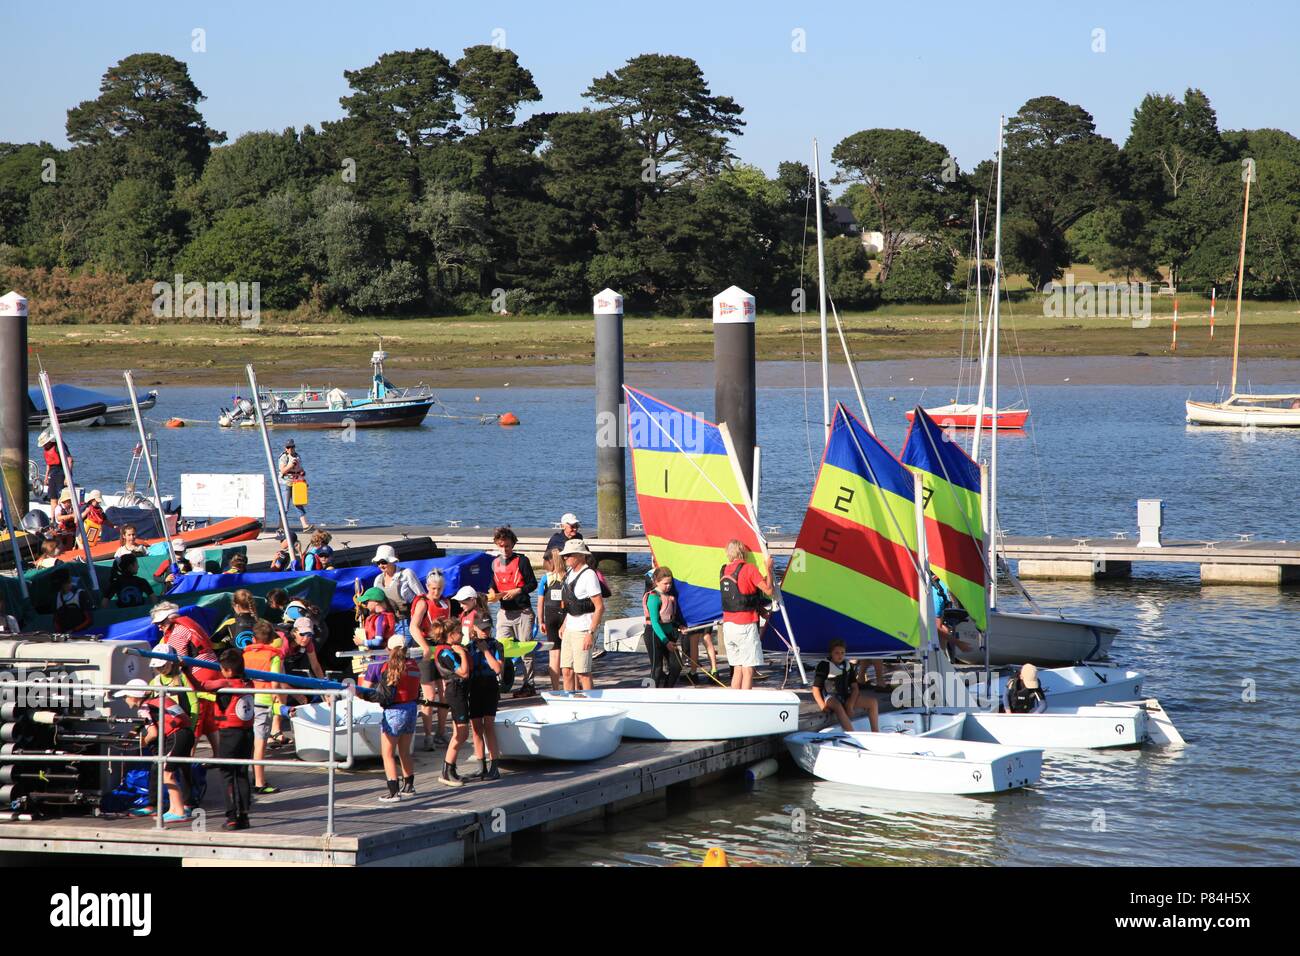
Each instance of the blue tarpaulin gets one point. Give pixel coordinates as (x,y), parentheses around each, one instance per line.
(459,570)
(70,396)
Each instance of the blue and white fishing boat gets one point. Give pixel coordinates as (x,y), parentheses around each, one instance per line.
(386,406)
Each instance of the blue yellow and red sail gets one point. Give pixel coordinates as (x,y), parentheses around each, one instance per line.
(690,501)
(953,519)
(853,572)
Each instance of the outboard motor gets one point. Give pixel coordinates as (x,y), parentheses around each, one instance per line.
(36,522)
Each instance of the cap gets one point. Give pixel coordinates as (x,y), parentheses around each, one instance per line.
(1029,676)
(384,552)
(290,444)
(396,641)
(163,610)
(304,625)
(162,647)
(570,518)
(465,594)
(134,688)
(295,610)
(373,594)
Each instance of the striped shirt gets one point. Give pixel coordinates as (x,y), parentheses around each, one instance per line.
(186,637)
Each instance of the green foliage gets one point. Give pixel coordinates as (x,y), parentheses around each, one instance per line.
(135,232)
(921,274)
(846,274)
(247,245)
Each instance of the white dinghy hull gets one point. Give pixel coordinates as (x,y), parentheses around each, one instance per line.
(555,732)
(312,736)
(1058,728)
(903,762)
(686,714)
(803,746)
(1076,686)
(1041,639)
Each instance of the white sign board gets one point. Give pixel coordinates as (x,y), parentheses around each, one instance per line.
(223,496)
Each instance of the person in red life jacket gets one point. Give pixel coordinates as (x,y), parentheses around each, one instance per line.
(320,556)
(452,663)
(177,741)
(395,685)
(95,518)
(380,623)
(65,520)
(513,582)
(427,611)
(73,605)
(55,472)
(550,612)
(662,637)
(233,716)
(187,638)
(169,571)
(263,655)
(742,590)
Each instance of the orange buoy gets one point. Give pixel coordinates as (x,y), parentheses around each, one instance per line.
(508,419)
(174,423)
(716,856)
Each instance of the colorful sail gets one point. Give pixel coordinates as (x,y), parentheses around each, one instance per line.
(853,572)
(953,518)
(690,500)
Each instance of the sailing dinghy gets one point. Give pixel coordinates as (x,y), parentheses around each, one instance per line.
(667,713)
(553,732)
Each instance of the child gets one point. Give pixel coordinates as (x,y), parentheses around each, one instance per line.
(72,603)
(65,521)
(835,689)
(126,587)
(95,518)
(233,715)
(50,552)
(380,623)
(484,688)
(452,665)
(238,565)
(237,630)
(320,556)
(178,741)
(397,683)
(660,604)
(262,655)
(277,600)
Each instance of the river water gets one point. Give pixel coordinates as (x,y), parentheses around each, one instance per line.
(1221,659)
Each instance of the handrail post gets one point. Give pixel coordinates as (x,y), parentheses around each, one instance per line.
(329,806)
(159,747)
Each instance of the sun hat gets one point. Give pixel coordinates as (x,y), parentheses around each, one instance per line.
(570,518)
(373,594)
(574,546)
(464,594)
(162,647)
(396,641)
(67,495)
(385,552)
(163,610)
(134,688)
(1029,676)
(95,495)
(45,438)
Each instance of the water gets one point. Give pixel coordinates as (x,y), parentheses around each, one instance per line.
(1221,659)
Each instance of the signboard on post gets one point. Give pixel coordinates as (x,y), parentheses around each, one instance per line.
(223,496)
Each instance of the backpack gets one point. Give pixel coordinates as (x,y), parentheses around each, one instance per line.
(733,599)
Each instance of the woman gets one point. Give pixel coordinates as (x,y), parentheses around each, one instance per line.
(400,586)
(427,612)
(550,611)
(486,665)
(663,639)
(380,623)
(396,685)
(95,518)
(55,473)
(452,663)
(50,551)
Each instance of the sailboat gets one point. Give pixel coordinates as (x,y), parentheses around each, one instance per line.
(1260,411)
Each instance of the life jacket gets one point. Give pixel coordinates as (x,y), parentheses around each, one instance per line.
(575,606)
(190,698)
(199,644)
(667,607)
(380,625)
(839,679)
(175,716)
(264,657)
(232,711)
(507,575)
(94,516)
(433,610)
(445,661)
(405,691)
(69,613)
(65,516)
(237,631)
(734,599)
(1022,699)
(478,658)
(317,558)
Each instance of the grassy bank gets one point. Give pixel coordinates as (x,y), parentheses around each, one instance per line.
(286,353)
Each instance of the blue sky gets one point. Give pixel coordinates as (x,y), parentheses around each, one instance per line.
(944,69)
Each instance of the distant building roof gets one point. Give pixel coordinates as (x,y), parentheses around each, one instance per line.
(843,218)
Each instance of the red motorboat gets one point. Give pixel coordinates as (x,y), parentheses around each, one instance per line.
(963,416)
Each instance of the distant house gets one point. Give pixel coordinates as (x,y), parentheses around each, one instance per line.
(843,221)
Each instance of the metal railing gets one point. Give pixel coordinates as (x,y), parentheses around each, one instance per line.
(161,759)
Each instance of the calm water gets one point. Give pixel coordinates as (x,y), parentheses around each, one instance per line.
(1229,798)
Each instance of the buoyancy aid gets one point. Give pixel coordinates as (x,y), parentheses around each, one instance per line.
(231,711)
(839,678)
(1022,699)
(507,574)
(479,666)
(667,607)
(445,661)
(264,657)
(175,716)
(188,697)
(733,598)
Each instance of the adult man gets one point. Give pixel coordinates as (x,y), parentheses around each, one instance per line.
(741,585)
(569,529)
(584,606)
(291,471)
(513,584)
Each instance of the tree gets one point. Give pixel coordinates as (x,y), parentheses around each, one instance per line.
(907,185)
(409,95)
(1057,169)
(665,104)
(846,274)
(921,274)
(247,245)
(492,86)
(20,176)
(148,102)
(135,232)
(1115,238)
(248,170)
(452,224)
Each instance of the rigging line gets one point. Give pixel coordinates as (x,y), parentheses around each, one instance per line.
(803,309)
(929,439)
(1271,234)
(1018,369)
(965,310)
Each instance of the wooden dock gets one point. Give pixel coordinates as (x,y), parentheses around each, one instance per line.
(441,826)
(1241,561)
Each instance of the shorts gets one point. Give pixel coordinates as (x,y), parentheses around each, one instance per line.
(572,656)
(484,693)
(744,647)
(181,744)
(458,701)
(399,721)
(514,625)
(54,487)
(261,722)
(428,673)
(550,631)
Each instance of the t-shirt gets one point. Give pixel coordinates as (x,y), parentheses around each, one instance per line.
(558,540)
(585,584)
(408,685)
(749,580)
(137,550)
(128,590)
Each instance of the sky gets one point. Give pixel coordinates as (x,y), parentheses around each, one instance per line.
(944,69)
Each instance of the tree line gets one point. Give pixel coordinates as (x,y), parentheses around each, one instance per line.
(432,195)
